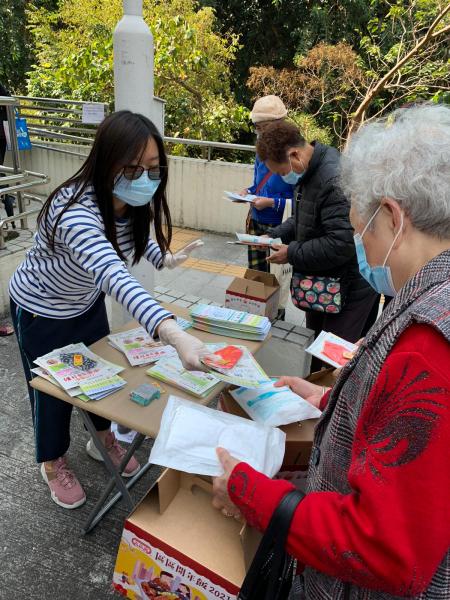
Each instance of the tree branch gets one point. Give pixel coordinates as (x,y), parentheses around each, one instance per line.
(431,34)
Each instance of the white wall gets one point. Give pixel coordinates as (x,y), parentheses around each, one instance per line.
(195,190)
(196,194)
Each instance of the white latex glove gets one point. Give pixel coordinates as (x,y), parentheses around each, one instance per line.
(174,260)
(190,349)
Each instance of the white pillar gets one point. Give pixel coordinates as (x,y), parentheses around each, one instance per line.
(133,90)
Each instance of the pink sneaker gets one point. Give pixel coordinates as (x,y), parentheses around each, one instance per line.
(65,488)
(116,454)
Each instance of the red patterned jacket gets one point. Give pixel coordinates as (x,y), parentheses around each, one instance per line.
(375,524)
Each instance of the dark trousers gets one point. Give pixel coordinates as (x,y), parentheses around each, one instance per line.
(37,336)
(347,324)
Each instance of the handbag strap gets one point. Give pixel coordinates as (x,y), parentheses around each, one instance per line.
(274,539)
(263,182)
(260,185)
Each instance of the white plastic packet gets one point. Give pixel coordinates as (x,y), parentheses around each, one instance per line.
(274,406)
(190,433)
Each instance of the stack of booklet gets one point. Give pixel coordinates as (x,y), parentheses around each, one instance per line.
(139,347)
(80,372)
(232,323)
(171,371)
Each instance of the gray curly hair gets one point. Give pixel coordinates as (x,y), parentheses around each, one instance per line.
(406,157)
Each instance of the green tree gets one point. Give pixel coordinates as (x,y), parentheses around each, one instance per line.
(16,49)
(192,61)
(402,55)
(325,83)
(14,46)
(273,32)
(406,57)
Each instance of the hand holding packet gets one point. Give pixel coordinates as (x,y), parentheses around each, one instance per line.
(332,349)
(190,433)
(225,358)
(274,406)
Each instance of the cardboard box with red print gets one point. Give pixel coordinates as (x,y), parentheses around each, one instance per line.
(257,293)
(177,546)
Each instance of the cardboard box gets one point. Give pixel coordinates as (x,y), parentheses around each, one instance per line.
(299,436)
(177,546)
(257,293)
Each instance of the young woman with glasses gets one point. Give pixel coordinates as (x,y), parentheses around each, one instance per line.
(87,229)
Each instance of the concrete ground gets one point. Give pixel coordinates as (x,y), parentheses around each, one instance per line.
(43,554)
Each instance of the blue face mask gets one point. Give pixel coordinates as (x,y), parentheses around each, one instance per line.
(292,178)
(380,277)
(137,192)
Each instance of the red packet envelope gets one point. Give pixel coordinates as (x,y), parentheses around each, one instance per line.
(336,352)
(227,358)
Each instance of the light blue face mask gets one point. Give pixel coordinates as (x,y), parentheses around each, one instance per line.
(137,192)
(380,277)
(292,178)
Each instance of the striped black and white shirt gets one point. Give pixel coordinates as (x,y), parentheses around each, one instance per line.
(65,283)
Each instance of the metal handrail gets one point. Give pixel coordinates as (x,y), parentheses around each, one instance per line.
(55,149)
(63,106)
(209,144)
(7,220)
(17,173)
(59,100)
(58,136)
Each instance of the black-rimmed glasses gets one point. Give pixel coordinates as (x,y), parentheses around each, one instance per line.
(131,172)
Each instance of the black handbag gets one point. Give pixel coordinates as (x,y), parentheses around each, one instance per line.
(320,294)
(272,571)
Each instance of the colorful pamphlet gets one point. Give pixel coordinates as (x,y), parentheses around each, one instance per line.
(139,347)
(73,392)
(171,371)
(229,322)
(74,366)
(246,372)
(101,386)
(332,349)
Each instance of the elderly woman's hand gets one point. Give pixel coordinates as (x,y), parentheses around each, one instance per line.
(337,372)
(221,499)
(311,392)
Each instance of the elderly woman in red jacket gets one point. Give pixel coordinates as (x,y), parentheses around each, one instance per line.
(375,522)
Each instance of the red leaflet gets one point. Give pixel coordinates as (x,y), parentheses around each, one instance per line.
(335,352)
(228,357)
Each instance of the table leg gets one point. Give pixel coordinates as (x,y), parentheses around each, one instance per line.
(116,478)
(100,510)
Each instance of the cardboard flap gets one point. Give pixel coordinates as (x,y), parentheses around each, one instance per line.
(167,487)
(189,482)
(247,287)
(268,279)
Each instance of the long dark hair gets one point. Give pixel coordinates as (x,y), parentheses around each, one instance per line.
(121,138)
